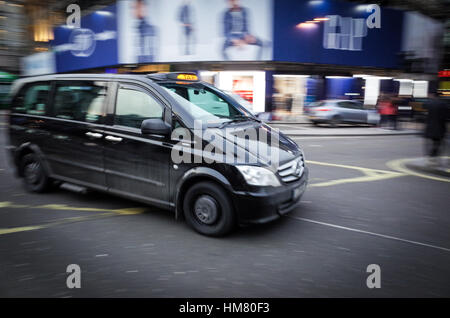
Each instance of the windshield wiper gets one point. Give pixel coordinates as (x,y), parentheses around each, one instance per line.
(238,118)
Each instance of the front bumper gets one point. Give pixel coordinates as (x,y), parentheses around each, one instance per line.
(258,208)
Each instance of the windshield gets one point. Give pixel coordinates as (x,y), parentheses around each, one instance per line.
(238,98)
(204,104)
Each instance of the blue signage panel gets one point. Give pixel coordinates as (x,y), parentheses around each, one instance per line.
(92,45)
(344,88)
(336,32)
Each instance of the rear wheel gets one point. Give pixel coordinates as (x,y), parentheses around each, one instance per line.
(35,176)
(208,209)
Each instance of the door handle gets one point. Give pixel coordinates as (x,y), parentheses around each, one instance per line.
(94,135)
(113,139)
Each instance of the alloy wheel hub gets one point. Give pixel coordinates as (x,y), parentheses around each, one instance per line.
(32,172)
(206,209)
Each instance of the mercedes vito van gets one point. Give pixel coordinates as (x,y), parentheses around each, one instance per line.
(149,138)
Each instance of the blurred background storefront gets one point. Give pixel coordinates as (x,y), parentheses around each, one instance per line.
(275,56)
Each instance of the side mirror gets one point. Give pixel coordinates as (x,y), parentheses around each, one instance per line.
(155,126)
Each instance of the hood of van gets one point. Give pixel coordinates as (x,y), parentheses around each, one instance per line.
(257,143)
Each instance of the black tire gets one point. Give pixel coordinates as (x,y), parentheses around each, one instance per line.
(202,197)
(34,175)
(335,121)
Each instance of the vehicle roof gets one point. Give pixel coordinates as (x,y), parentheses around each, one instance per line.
(30,79)
(151,77)
(80,75)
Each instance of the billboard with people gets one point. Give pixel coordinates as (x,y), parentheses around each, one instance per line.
(162,31)
(194,30)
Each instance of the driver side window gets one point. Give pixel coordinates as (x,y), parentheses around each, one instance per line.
(133,106)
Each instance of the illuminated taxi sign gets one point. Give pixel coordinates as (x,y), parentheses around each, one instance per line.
(187,77)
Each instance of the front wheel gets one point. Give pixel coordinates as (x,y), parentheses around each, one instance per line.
(208,209)
(35,176)
(335,121)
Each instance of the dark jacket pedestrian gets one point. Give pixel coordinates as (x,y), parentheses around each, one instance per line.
(435,124)
(436,119)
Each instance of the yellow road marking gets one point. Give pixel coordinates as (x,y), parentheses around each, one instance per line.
(51,224)
(63,207)
(366,178)
(7,204)
(347,166)
(398,165)
(21,229)
(369,174)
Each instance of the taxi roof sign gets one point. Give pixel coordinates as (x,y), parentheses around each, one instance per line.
(187,77)
(177,76)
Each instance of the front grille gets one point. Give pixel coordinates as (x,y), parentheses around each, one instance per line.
(293,170)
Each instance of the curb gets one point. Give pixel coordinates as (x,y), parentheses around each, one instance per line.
(352,135)
(427,169)
(287,123)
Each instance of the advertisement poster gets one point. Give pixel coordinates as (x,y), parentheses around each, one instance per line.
(93,44)
(336,32)
(194,30)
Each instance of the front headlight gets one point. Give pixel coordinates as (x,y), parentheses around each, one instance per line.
(259,176)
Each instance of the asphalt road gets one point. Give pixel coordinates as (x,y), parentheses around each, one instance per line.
(357,211)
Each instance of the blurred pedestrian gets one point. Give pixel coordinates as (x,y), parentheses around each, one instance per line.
(289,102)
(387,111)
(394,113)
(435,126)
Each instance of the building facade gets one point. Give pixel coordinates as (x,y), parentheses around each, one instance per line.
(276,55)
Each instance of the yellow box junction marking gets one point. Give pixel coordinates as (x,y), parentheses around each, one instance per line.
(369,174)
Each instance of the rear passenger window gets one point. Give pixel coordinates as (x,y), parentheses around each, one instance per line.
(349,105)
(82,101)
(134,105)
(32,99)
(358,105)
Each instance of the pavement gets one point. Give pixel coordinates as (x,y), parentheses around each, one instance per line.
(309,130)
(303,127)
(363,206)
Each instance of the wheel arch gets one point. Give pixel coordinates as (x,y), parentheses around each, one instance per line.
(196,175)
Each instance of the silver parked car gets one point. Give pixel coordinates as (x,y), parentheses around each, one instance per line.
(338,111)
